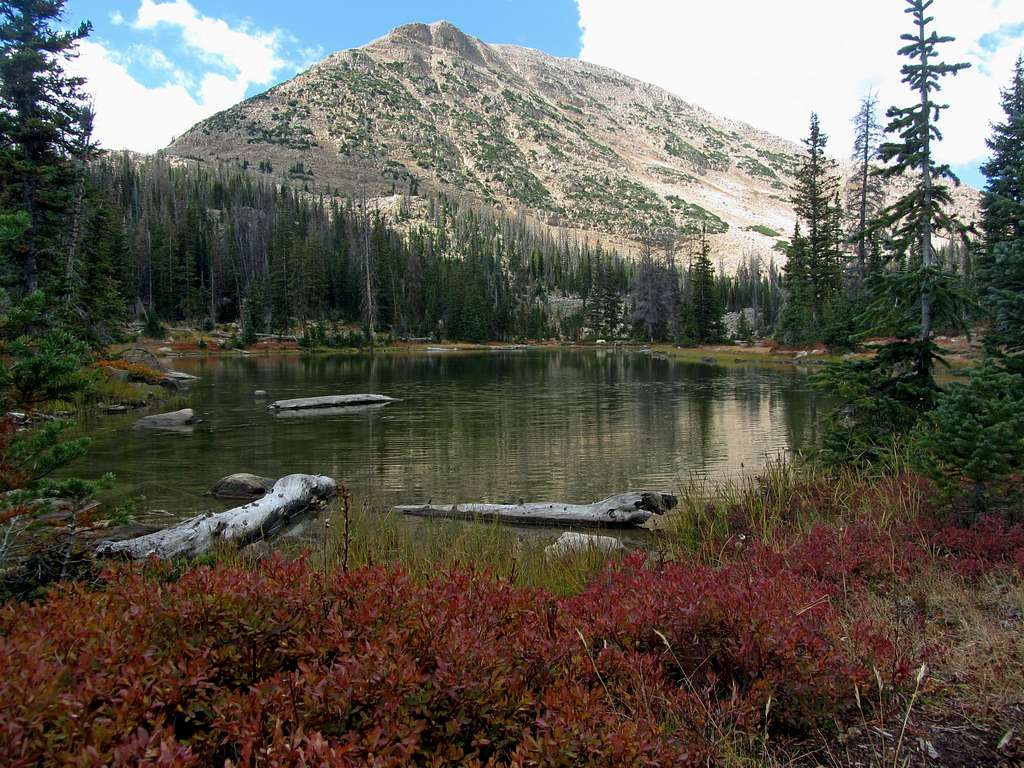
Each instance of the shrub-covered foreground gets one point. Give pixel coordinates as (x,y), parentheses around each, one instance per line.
(283,664)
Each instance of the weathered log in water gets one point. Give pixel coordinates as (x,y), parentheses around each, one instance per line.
(290,496)
(624,510)
(330,401)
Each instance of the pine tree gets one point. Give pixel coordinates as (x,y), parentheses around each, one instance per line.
(1001,267)
(815,277)
(707,308)
(44,121)
(865,193)
(913,301)
(882,399)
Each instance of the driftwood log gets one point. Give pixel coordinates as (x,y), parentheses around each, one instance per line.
(330,401)
(624,510)
(290,496)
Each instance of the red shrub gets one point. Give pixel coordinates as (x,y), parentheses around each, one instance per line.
(735,637)
(990,544)
(287,666)
(284,666)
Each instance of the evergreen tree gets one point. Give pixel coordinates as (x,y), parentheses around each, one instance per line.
(914,300)
(707,308)
(865,193)
(814,267)
(44,121)
(1001,268)
(882,399)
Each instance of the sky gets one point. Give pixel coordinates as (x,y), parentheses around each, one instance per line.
(156,67)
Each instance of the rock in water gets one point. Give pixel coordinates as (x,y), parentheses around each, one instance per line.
(260,393)
(242,485)
(329,401)
(571,543)
(175,420)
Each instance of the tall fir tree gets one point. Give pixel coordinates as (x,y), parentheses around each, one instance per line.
(914,300)
(865,193)
(883,398)
(705,299)
(1001,267)
(814,266)
(44,123)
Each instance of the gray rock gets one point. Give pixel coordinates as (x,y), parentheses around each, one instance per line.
(165,351)
(242,485)
(260,393)
(115,373)
(142,356)
(709,360)
(571,543)
(175,420)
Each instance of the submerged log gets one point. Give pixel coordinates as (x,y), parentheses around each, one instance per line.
(330,401)
(290,496)
(624,510)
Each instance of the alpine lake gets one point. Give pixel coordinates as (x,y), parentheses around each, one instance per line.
(492,425)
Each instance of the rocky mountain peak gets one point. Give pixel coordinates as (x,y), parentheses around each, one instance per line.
(575,147)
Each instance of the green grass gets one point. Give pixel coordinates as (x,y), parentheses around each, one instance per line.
(424,547)
(761,229)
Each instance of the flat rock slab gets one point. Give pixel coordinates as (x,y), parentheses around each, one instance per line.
(175,420)
(241,485)
(330,401)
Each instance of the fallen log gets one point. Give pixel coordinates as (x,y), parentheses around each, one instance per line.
(330,401)
(624,510)
(290,496)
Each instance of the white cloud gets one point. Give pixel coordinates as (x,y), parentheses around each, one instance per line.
(130,115)
(772,63)
(213,68)
(250,53)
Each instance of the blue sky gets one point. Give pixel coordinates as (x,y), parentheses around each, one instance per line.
(158,66)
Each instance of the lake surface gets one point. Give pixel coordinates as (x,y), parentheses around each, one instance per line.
(488,426)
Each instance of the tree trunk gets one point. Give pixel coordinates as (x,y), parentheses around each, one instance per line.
(290,496)
(624,510)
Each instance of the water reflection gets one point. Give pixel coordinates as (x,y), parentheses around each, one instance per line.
(494,426)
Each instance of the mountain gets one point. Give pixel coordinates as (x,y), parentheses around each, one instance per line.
(571,145)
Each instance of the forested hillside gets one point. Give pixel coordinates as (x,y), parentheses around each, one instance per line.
(205,245)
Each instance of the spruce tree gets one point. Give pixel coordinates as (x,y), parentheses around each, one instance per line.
(914,300)
(707,307)
(883,398)
(44,121)
(814,266)
(865,193)
(1001,268)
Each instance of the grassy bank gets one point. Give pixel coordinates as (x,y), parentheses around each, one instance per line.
(794,619)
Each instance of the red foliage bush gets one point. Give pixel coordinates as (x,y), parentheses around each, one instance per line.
(287,666)
(990,544)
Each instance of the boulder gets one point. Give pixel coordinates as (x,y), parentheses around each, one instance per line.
(175,420)
(141,356)
(571,543)
(260,393)
(242,485)
(117,374)
(165,351)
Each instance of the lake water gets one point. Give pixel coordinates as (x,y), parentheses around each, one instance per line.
(495,426)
